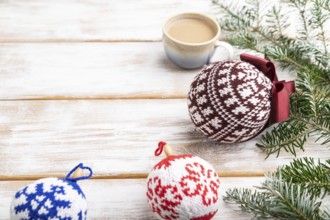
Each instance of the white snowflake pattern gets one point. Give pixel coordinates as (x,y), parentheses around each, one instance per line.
(201,100)
(243,94)
(246,92)
(231,101)
(262,114)
(241,75)
(222,81)
(207,111)
(263,93)
(240,109)
(241,132)
(200,87)
(37,199)
(259,80)
(207,129)
(192,109)
(197,117)
(216,122)
(223,72)
(225,91)
(254,100)
(202,76)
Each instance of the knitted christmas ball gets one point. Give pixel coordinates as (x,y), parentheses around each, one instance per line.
(229,101)
(183,187)
(51,198)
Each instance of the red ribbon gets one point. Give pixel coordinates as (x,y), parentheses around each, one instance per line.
(281,90)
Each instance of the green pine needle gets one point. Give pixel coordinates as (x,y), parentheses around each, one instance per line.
(300,190)
(310,173)
(293,192)
(289,136)
(252,27)
(250,201)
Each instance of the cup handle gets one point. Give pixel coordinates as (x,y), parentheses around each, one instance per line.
(227,46)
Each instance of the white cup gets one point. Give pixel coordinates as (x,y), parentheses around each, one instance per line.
(190,55)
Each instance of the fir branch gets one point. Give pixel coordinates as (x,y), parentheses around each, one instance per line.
(287,193)
(239,20)
(236,21)
(325,211)
(318,21)
(309,173)
(247,40)
(314,97)
(325,4)
(276,22)
(288,136)
(281,54)
(310,106)
(300,5)
(292,134)
(250,201)
(292,201)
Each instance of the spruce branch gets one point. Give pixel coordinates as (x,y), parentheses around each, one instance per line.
(318,21)
(325,4)
(250,201)
(325,211)
(288,136)
(294,191)
(307,55)
(310,173)
(277,22)
(301,7)
(292,200)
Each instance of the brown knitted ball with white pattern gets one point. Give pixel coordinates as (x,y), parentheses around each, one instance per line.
(229,101)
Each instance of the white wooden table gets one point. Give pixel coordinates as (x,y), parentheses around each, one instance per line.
(87,81)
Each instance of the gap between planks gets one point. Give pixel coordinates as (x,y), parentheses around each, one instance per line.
(126,176)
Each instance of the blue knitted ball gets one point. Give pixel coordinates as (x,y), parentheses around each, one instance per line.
(50,198)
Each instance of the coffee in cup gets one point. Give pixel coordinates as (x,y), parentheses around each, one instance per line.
(190,39)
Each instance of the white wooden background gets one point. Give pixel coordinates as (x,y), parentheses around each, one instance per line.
(87,81)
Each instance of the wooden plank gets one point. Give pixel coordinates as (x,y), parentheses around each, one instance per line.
(91,71)
(102,20)
(125,199)
(117,138)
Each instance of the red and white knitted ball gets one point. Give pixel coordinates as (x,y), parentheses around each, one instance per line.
(229,101)
(183,187)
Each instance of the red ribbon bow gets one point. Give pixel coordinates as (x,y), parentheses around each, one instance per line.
(281,90)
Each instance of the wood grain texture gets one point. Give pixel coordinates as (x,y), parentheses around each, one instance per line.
(88,20)
(117,138)
(87,81)
(125,199)
(89,70)
(92,71)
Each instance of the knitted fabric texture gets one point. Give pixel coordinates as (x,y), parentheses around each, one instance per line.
(51,198)
(229,101)
(183,187)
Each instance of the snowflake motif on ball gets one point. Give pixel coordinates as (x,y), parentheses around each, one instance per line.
(51,198)
(200,182)
(165,198)
(183,187)
(230,101)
